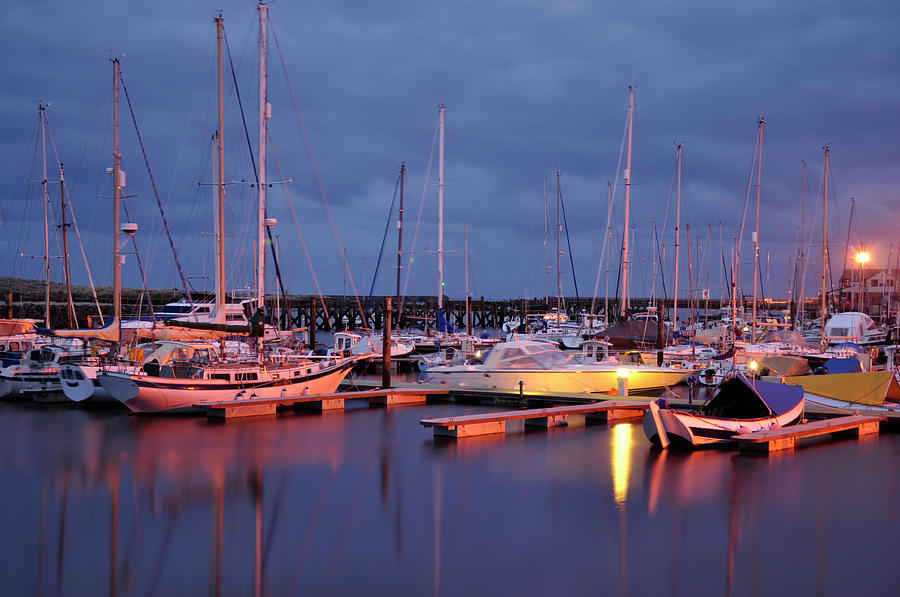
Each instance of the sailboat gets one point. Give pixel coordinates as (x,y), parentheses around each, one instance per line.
(446,334)
(176,388)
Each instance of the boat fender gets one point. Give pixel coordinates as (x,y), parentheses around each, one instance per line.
(742,429)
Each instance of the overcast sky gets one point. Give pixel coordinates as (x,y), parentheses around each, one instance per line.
(531,88)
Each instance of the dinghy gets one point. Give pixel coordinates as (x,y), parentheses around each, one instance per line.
(741,405)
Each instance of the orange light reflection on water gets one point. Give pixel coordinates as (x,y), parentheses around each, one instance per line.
(621,461)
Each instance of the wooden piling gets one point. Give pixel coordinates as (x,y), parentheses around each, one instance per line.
(311,324)
(386,346)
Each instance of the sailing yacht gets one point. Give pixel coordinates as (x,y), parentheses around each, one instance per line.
(206,378)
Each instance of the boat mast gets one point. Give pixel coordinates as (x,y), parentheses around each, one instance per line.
(468,302)
(264,114)
(824,246)
(608,238)
(762,123)
(118,183)
(220,205)
(559,230)
(624,306)
(400,234)
(802,288)
(70,306)
(440,298)
(546,243)
(690,289)
(677,241)
(41,109)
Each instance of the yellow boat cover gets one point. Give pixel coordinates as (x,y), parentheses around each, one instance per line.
(786,365)
(867,388)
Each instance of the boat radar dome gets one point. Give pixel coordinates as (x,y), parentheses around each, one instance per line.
(270,222)
(129,227)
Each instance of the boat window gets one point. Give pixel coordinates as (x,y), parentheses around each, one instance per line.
(177,309)
(225,376)
(245,376)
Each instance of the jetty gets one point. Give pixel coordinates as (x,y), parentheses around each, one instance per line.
(786,438)
(253,407)
(545,418)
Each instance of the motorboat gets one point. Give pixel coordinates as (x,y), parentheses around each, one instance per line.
(853,326)
(36,376)
(541,366)
(741,405)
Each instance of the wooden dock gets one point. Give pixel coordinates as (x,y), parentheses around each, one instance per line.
(495,422)
(785,438)
(253,407)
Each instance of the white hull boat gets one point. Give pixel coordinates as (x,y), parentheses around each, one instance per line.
(741,406)
(542,367)
(187,386)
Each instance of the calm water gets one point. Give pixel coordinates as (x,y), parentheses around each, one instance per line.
(366,502)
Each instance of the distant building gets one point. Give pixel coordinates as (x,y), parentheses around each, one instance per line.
(870,290)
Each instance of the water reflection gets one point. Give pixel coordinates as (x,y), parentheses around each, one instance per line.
(367,502)
(621,460)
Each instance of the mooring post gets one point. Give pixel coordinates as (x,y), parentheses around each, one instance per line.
(386,346)
(311,324)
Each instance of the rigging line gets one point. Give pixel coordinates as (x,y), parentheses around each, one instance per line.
(756,148)
(662,272)
(412,248)
(569,244)
(318,174)
(387,227)
(609,210)
(162,212)
(302,240)
(237,93)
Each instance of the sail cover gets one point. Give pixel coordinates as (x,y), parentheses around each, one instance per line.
(870,389)
(742,398)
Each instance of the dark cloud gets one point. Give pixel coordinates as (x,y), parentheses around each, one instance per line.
(531,88)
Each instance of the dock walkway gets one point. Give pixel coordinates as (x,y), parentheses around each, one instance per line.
(495,422)
(252,407)
(785,438)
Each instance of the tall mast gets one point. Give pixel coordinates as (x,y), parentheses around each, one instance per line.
(608,248)
(468,302)
(559,230)
(264,115)
(400,234)
(41,109)
(824,246)
(690,287)
(70,306)
(220,208)
(677,241)
(802,288)
(440,299)
(734,274)
(624,306)
(546,243)
(762,123)
(119,182)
